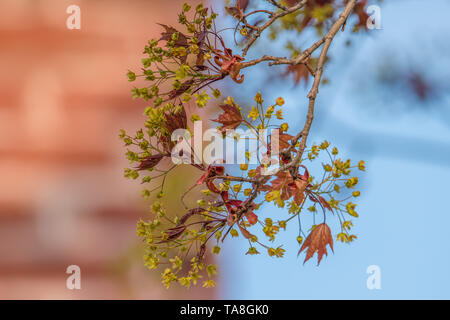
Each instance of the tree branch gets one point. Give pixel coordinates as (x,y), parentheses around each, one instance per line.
(319,71)
(273,18)
(303,135)
(278,5)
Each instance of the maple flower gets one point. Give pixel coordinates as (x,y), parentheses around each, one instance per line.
(279,114)
(280,101)
(231,118)
(258,98)
(202,99)
(254,113)
(209,284)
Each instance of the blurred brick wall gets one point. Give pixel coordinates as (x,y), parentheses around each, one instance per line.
(63,199)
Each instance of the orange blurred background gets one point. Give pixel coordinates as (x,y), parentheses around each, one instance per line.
(63,98)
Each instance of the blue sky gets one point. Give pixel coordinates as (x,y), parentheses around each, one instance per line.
(404,216)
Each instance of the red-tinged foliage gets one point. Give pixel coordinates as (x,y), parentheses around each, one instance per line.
(238,10)
(252,218)
(324,203)
(230,119)
(212,187)
(284,139)
(174,120)
(173,233)
(298,189)
(189,214)
(308,9)
(194,61)
(201,252)
(288,187)
(211,171)
(242,4)
(181,42)
(245,232)
(233,206)
(150,162)
(300,73)
(291,3)
(229,64)
(317,241)
(169,31)
(283,142)
(281,182)
(360,10)
(305,175)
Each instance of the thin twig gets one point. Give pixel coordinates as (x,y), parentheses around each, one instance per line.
(273,18)
(278,5)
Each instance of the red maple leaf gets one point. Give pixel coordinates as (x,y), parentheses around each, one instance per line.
(281,182)
(209,173)
(150,162)
(298,189)
(169,31)
(173,233)
(324,203)
(299,71)
(245,233)
(230,119)
(317,241)
(361,13)
(289,186)
(283,140)
(252,218)
(238,10)
(174,120)
(229,64)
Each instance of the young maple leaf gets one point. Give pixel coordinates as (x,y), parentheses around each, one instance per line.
(229,64)
(361,13)
(234,205)
(298,189)
(283,140)
(299,71)
(211,172)
(150,162)
(173,233)
(230,119)
(282,183)
(167,36)
(182,40)
(238,10)
(235,69)
(290,187)
(245,232)
(174,120)
(252,218)
(324,203)
(189,214)
(317,241)
(243,4)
